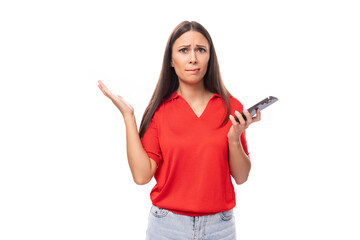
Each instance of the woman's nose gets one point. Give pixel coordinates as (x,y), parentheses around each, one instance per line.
(193,57)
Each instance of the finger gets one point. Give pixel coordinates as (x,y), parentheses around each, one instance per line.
(103,86)
(248,117)
(102,90)
(100,82)
(233,121)
(100,85)
(258,116)
(241,119)
(106,91)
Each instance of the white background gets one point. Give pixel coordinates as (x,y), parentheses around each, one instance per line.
(63,169)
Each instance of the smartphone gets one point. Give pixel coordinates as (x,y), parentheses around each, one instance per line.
(260,105)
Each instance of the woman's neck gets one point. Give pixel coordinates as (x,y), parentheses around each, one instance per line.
(194,93)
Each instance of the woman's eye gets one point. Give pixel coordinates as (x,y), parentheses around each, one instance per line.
(185,50)
(202,50)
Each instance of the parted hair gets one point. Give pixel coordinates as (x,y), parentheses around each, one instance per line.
(168,81)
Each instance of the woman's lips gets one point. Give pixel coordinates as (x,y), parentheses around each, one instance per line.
(193,70)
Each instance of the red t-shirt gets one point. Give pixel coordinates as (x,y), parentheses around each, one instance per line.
(192,153)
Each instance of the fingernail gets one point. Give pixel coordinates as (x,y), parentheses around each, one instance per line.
(236,112)
(246,111)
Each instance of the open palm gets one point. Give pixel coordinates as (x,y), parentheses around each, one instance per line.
(124,107)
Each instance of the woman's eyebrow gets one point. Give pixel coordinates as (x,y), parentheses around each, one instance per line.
(202,46)
(197,45)
(181,46)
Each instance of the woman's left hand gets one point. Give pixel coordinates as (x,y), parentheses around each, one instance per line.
(238,128)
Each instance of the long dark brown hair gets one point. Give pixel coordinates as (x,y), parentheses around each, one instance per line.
(168,81)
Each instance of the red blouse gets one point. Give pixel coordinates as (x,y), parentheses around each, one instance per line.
(192,153)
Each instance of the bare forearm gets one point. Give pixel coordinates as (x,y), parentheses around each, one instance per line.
(141,166)
(239,162)
(139,162)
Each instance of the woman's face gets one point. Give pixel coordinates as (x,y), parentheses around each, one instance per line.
(190,57)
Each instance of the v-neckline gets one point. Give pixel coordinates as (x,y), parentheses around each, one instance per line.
(192,110)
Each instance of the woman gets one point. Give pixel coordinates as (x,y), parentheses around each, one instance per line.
(187,142)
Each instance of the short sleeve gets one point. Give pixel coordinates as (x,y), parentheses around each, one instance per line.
(150,141)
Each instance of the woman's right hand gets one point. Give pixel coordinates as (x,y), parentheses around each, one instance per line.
(125,108)
(141,166)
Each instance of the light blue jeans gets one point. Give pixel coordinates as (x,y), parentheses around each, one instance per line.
(166,225)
